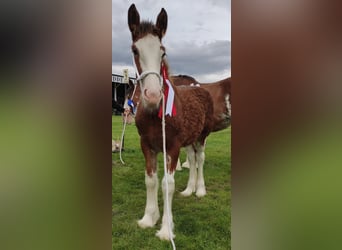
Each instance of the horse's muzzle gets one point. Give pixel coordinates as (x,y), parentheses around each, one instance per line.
(152,97)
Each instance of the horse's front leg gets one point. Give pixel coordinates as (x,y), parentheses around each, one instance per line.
(152,214)
(168,185)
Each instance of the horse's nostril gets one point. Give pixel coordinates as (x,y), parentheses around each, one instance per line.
(152,96)
(146,93)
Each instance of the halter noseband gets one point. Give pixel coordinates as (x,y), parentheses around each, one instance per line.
(146,73)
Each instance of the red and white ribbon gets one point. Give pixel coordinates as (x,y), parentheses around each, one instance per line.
(169,95)
(170,109)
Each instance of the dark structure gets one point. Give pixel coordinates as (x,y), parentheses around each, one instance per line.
(119,91)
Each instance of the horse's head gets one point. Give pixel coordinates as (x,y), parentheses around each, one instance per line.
(148,55)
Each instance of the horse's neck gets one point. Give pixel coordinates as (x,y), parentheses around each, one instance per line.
(166,64)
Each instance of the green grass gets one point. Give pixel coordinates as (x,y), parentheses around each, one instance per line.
(200,223)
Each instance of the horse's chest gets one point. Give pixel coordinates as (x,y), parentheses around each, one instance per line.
(150,132)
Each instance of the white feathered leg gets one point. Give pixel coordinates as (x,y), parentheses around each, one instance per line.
(152,214)
(200,157)
(163,233)
(179,167)
(186,163)
(191,187)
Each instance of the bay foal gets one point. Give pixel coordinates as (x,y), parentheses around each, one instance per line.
(219,91)
(188,126)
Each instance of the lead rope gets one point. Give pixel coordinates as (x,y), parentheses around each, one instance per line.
(124,127)
(126,115)
(122,136)
(165,174)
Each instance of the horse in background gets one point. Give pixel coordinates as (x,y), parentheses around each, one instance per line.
(188,125)
(220,92)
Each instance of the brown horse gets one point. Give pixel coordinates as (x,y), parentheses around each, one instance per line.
(187,127)
(220,92)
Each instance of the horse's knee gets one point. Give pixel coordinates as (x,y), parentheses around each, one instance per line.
(151,181)
(168,180)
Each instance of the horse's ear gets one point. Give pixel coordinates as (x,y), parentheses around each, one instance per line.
(133,18)
(162,22)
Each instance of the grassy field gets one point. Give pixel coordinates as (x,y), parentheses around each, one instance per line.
(200,223)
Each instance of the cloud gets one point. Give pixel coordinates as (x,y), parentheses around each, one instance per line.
(197,40)
(221,3)
(186,58)
(199,60)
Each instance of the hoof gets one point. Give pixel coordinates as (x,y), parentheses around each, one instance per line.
(187,192)
(201,192)
(148,221)
(163,234)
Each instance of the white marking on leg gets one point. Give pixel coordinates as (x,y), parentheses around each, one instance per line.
(186,163)
(191,187)
(179,167)
(200,157)
(151,215)
(163,233)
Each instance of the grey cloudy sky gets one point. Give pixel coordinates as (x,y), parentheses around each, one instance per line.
(197,39)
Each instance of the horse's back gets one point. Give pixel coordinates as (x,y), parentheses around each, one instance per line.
(183,80)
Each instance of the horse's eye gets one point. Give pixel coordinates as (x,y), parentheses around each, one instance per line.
(135,51)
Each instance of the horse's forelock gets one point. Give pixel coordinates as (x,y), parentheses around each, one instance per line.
(145,28)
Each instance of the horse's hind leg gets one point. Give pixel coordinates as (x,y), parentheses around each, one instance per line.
(191,187)
(186,163)
(200,157)
(179,167)
(151,215)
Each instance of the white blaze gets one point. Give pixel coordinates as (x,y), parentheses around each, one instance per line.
(150,56)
